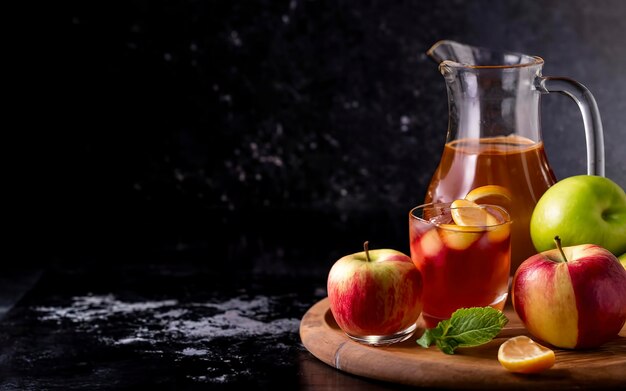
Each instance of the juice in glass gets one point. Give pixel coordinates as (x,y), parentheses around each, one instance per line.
(461,266)
(513,162)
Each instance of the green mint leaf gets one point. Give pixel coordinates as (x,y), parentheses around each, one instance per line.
(447,345)
(475,326)
(467,327)
(429,336)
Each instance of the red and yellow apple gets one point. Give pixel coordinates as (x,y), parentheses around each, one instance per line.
(375,293)
(571,297)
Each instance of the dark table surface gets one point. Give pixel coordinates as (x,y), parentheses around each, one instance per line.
(161,326)
(175,326)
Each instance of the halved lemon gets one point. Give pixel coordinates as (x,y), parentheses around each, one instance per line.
(490,194)
(523,355)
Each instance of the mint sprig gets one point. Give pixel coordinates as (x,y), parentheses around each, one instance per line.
(466,327)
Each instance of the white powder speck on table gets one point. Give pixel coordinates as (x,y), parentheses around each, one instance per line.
(194,352)
(171,320)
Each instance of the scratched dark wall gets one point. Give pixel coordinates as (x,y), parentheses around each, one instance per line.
(279,135)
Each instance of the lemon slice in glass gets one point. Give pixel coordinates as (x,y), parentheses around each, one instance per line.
(469,214)
(470,222)
(462,233)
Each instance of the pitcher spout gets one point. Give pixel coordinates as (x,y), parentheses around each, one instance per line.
(446,50)
(455,53)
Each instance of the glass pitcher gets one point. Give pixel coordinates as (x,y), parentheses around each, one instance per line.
(494,133)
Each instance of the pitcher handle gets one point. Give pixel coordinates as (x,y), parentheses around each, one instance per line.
(591,118)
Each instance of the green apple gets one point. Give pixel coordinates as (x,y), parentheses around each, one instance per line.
(581,209)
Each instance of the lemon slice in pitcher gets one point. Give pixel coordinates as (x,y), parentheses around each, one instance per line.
(490,194)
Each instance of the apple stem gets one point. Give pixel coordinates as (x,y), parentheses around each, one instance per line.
(557,240)
(367,252)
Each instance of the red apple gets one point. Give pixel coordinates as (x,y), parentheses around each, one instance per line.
(375,295)
(571,297)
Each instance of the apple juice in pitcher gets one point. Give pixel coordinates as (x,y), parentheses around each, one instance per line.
(514,164)
(494,151)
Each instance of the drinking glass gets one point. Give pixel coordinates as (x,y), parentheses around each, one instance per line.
(462,266)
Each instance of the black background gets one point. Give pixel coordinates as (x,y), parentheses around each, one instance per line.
(218,154)
(276,136)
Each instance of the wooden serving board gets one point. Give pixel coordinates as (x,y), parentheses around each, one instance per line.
(469,368)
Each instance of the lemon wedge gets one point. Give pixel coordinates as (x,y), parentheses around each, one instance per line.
(523,355)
